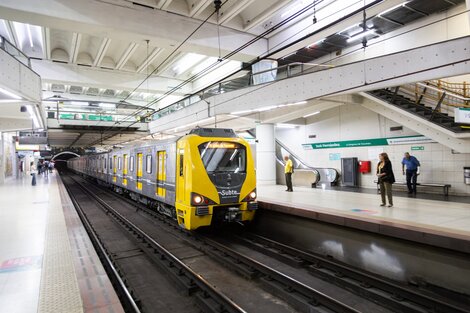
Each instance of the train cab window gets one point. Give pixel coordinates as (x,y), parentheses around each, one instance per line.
(148,164)
(220,156)
(119,163)
(131,164)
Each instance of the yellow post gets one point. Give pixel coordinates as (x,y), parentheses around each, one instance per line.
(139,170)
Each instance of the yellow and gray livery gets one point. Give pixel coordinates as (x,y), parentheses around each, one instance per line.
(203,178)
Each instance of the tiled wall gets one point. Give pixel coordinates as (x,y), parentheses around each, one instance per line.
(349,122)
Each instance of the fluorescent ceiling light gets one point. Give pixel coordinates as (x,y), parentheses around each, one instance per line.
(361,35)
(107,105)
(242,112)
(203,65)
(10,94)
(297,103)
(312,114)
(32,114)
(186,62)
(393,8)
(10,101)
(28,31)
(316,43)
(286,126)
(79,103)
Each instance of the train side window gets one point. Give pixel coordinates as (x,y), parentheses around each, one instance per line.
(104,166)
(119,163)
(181,164)
(110,163)
(148,164)
(131,165)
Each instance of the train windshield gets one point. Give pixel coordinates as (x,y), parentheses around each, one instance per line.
(223,156)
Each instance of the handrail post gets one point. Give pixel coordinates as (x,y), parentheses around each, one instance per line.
(438,106)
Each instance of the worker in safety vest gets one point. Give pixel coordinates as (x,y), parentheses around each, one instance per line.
(288,170)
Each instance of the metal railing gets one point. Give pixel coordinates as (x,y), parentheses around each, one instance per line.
(250,79)
(10,48)
(443,97)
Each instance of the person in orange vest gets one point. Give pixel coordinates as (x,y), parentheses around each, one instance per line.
(288,170)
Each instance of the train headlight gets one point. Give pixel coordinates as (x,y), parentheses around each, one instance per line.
(251,196)
(197,199)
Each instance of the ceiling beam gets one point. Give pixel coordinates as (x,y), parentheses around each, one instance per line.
(199,7)
(126,55)
(155,53)
(12,32)
(265,15)
(46,37)
(164,4)
(75,47)
(101,52)
(168,63)
(227,15)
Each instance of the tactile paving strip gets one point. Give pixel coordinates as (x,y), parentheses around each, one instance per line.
(59,291)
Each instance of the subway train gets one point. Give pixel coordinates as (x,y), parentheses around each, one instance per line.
(204,178)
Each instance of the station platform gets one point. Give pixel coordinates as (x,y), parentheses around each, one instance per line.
(47,261)
(442,224)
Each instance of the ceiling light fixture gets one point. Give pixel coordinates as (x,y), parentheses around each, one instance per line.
(10,94)
(361,35)
(393,8)
(316,43)
(312,114)
(32,114)
(286,126)
(30,37)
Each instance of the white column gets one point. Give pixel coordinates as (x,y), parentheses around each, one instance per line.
(2,158)
(265,154)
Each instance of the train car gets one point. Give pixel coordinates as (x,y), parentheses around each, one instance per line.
(206,177)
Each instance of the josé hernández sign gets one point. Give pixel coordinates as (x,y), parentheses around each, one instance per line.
(368,142)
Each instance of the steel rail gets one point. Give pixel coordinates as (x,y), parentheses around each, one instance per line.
(396,292)
(225,304)
(130,305)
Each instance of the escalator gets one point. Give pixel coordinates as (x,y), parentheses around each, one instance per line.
(304,175)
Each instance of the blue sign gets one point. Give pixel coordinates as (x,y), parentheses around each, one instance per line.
(335,156)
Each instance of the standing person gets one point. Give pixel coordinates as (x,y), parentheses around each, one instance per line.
(33,174)
(288,170)
(385,178)
(412,171)
(46,168)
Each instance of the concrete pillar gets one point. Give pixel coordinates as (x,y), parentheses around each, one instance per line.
(265,154)
(2,158)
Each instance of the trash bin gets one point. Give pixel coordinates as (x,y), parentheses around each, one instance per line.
(466,175)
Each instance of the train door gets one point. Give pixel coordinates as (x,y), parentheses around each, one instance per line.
(180,183)
(161,173)
(114,168)
(139,170)
(124,169)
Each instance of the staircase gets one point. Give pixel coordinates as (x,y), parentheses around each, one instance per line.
(434,115)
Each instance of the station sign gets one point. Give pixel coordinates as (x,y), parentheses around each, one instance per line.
(368,142)
(462,115)
(32,137)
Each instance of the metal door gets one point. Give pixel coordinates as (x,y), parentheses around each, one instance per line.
(161,155)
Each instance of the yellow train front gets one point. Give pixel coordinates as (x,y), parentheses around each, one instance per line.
(204,178)
(215,179)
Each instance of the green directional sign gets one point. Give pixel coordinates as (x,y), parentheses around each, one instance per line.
(415,148)
(367,142)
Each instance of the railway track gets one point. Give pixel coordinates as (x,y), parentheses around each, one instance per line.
(299,297)
(208,298)
(388,293)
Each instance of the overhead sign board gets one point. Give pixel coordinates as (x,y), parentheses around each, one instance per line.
(368,142)
(462,115)
(32,138)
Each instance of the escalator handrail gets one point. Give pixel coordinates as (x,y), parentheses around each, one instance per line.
(304,164)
